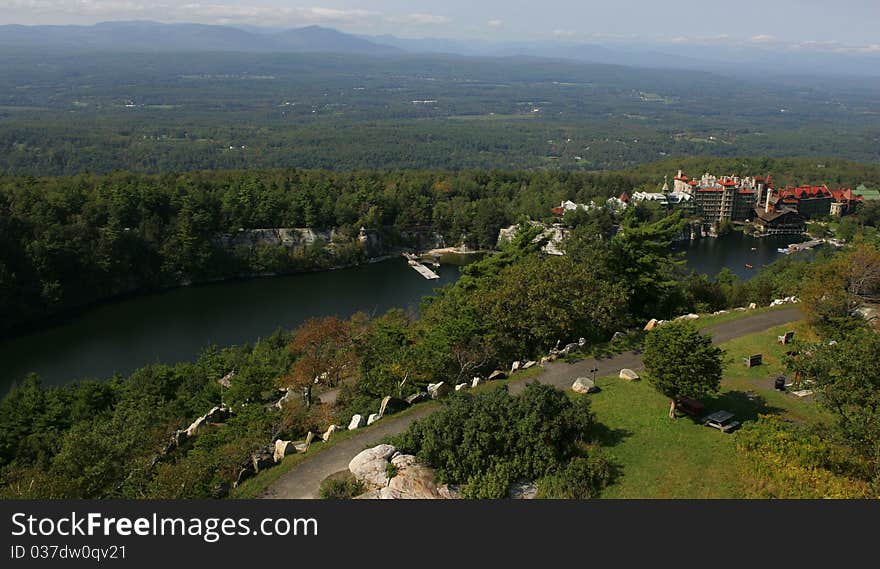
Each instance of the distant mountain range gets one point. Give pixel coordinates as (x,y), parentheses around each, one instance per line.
(153,36)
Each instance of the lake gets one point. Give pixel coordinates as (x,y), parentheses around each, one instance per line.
(118,337)
(734,250)
(176,325)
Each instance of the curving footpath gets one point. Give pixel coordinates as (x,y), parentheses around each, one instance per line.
(304,480)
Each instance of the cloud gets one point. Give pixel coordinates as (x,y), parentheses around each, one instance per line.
(221,12)
(495,24)
(763,38)
(420,20)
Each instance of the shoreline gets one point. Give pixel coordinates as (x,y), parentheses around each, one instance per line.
(61,317)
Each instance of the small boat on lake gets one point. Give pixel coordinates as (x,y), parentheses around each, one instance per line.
(749,266)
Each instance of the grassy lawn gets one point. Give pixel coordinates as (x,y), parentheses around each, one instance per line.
(657,457)
(660,458)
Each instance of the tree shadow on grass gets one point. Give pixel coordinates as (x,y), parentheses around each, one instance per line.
(746,405)
(609,437)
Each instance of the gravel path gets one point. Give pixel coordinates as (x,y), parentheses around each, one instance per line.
(304,480)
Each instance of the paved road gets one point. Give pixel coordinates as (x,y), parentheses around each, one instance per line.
(304,480)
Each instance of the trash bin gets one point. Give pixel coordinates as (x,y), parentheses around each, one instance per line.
(779,384)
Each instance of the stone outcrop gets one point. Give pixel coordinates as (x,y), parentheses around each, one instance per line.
(584,385)
(652,323)
(195,427)
(529,364)
(373,418)
(412,480)
(497,374)
(292,238)
(475,382)
(370,466)
(461,386)
(217,415)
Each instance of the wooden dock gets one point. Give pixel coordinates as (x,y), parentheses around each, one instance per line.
(419,267)
(796,247)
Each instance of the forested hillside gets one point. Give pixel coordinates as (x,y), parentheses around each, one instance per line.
(67,113)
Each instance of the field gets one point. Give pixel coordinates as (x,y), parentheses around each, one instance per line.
(660,458)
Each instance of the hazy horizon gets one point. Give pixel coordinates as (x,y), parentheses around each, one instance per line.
(785,25)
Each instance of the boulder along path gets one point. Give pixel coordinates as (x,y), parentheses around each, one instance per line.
(303,481)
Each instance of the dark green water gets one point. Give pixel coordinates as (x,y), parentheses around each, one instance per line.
(734,251)
(177,325)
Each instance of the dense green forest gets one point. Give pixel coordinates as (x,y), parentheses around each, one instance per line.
(66,242)
(66,113)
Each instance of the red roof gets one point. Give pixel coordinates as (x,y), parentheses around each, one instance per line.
(806,192)
(624,197)
(845,195)
(558,210)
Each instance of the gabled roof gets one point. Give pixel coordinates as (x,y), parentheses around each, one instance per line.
(774,214)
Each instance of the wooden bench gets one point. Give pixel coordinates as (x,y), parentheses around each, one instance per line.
(690,407)
(754,360)
(786,338)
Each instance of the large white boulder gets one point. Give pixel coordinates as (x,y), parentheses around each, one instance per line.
(373,418)
(461,386)
(584,385)
(370,465)
(476,381)
(628,375)
(282,449)
(438,390)
(357,421)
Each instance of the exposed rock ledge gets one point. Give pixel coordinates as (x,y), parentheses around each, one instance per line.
(412,480)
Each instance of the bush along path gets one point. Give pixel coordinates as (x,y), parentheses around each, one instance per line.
(303,481)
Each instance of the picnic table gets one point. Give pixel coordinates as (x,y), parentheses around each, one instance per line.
(721,420)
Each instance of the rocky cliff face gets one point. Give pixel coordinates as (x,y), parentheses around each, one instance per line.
(290,238)
(372,242)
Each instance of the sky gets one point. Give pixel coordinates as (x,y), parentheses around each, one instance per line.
(838,24)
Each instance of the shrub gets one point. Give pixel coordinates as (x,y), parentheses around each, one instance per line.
(487,441)
(341,488)
(581,479)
